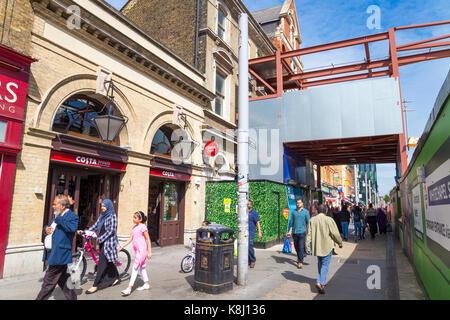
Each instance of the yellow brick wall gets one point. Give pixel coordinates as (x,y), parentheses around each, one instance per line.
(16,22)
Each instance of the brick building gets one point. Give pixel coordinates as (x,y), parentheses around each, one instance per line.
(155,90)
(205,34)
(281,25)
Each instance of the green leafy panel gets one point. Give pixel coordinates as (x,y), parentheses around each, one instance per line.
(269,200)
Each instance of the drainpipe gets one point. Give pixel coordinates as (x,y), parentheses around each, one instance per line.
(197,26)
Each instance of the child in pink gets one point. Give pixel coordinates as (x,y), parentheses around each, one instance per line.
(142,251)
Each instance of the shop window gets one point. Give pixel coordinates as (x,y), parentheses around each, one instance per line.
(75,117)
(170,202)
(2,131)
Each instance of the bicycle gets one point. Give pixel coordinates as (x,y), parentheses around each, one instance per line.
(188,262)
(79,259)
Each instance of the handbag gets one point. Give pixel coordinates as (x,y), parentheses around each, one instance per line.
(287,246)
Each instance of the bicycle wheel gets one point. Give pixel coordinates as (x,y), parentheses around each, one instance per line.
(123,262)
(187,264)
(78,267)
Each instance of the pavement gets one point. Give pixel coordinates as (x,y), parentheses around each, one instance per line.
(364,270)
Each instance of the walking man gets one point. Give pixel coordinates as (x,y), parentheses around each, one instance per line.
(372,220)
(298,223)
(323,233)
(357,222)
(59,233)
(253,223)
(345,220)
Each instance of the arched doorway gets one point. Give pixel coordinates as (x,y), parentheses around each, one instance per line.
(167,188)
(82,166)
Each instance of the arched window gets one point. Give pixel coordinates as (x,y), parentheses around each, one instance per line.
(75,117)
(164,141)
(170,141)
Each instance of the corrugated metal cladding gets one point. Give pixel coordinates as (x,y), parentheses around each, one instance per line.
(365,108)
(345,110)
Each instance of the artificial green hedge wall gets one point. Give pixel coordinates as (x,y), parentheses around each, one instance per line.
(264,195)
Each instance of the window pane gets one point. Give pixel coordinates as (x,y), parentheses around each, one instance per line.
(221,18)
(170,202)
(221,24)
(220,84)
(2,130)
(220,33)
(219,105)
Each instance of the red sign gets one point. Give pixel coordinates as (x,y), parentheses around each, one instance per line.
(211,148)
(87,161)
(13,91)
(170,174)
(286,213)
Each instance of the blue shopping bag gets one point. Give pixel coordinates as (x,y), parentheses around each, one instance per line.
(287,246)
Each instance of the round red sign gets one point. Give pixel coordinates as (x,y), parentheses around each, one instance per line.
(211,148)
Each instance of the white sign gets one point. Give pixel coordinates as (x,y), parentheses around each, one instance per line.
(417,211)
(438,205)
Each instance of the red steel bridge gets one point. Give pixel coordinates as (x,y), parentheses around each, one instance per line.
(275,75)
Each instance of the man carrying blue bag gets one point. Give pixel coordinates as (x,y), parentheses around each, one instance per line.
(298,222)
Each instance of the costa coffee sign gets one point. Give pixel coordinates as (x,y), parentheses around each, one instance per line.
(87,161)
(170,174)
(211,148)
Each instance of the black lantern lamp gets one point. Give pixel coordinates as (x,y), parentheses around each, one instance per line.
(109,126)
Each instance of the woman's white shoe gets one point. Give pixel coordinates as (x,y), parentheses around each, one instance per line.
(126,292)
(144,287)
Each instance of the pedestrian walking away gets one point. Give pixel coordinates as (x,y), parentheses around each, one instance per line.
(253,223)
(298,223)
(357,222)
(106,225)
(142,251)
(345,221)
(372,220)
(381,220)
(323,233)
(58,243)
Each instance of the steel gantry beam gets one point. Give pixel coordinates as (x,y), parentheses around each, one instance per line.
(273,73)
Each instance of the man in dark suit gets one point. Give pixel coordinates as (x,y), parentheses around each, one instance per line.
(60,232)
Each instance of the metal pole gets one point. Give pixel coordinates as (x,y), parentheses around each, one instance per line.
(356,185)
(242,156)
(367,187)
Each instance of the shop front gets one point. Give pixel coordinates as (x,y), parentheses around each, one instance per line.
(14,74)
(167,190)
(87,172)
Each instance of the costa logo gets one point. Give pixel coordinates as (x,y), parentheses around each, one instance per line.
(168,174)
(85,160)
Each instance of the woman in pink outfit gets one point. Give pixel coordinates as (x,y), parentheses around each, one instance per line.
(142,251)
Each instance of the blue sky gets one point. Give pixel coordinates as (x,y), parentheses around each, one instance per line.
(333,20)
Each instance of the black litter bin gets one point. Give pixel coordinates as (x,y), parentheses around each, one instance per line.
(214,259)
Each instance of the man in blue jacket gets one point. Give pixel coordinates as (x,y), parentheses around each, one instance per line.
(59,236)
